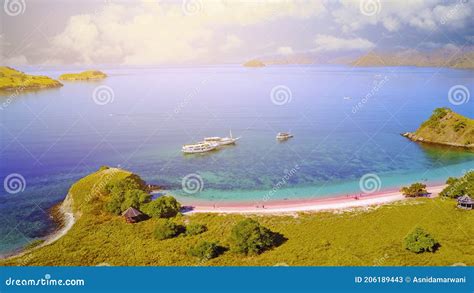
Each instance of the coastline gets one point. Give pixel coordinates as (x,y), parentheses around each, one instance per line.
(66,220)
(413,137)
(306,205)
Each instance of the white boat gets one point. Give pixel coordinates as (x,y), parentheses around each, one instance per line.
(222,140)
(284,135)
(200,147)
(347,98)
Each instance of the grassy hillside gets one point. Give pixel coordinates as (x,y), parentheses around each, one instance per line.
(85,75)
(11,79)
(363,237)
(445,127)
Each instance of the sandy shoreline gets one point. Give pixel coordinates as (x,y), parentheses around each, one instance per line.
(305,205)
(68,220)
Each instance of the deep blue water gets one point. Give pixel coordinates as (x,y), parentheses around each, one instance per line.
(54,137)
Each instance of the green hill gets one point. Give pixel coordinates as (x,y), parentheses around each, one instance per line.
(11,79)
(447,128)
(85,75)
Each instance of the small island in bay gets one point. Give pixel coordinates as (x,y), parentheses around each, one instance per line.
(445,127)
(85,75)
(254,63)
(11,79)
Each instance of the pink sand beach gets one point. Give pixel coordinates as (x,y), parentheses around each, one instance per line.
(306,205)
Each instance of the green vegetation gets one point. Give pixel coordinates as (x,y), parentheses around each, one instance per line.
(166,229)
(459,186)
(205,250)
(195,229)
(414,190)
(162,207)
(249,237)
(11,79)
(85,75)
(420,241)
(126,193)
(447,128)
(352,238)
(254,63)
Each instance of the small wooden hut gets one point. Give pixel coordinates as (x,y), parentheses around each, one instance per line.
(132,215)
(465,202)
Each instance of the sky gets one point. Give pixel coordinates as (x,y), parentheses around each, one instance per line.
(56,32)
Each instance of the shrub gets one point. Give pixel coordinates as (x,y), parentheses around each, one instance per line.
(166,229)
(162,207)
(204,250)
(414,190)
(129,192)
(420,241)
(195,229)
(459,186)
(249,237)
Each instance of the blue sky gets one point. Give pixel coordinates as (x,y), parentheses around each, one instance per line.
(214,31)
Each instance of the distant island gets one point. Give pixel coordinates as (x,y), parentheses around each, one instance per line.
(445,127)
(11,79)
(254,63)
(439,58)
(444,57)
(85,75)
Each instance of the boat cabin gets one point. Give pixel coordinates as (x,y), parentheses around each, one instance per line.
(133,215)
(465,202)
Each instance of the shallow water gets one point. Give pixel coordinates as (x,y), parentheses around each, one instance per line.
(54,137)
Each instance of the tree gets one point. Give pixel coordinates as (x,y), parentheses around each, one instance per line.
(459,186)
(125,193)
(162,207)
(249,237)
(195,229)
(205,250)
(166,229)
(419,241)
(414,190)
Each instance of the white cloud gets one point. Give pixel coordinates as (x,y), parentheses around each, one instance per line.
(425,15)
(231,42)
(154,33)
(325,43)
(285,50)
(13,61)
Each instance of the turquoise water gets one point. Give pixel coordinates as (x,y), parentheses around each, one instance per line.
(54,137)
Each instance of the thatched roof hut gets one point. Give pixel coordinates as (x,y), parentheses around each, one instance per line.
(132,215)
(465,202)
